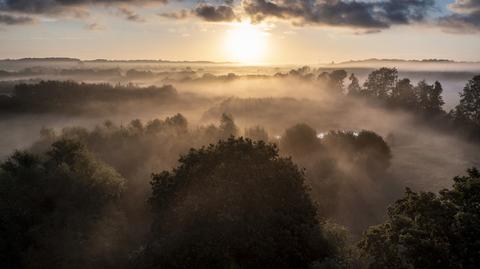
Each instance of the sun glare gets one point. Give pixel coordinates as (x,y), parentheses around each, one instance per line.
(246,43)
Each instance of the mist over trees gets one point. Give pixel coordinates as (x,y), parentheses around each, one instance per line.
(240,182)
(212,212)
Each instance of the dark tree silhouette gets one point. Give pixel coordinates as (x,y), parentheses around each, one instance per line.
(403,95)
(336,80)
(430,100)
(380,83)
(227,126)
(59,211)
(468,111)
(426,230)
(235,204)
(73,97)
(354,88)
(299,140)
(366,150)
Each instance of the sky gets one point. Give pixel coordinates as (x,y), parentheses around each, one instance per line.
(247,31)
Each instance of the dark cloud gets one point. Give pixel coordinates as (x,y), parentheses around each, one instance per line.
(15,20)
(356,14)
(466,18)
(366,16)
(58,6)
(215,13)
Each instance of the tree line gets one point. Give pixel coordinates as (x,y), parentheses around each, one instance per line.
(425,100)
(76,98)
(382,87)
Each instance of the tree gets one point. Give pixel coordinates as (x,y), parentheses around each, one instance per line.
(427,230)
(373,153)
(430,99)
(403,95)
(178,122)
(436,100)
(380,83)
(227,126)
(468,111)
(354,88)
(422,89)
(299,140)
(55,210)
(235,204)
(73,97)
(336,79)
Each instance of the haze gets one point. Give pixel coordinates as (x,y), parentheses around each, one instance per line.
(245,134)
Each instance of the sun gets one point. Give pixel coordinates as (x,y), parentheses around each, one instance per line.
(246,43)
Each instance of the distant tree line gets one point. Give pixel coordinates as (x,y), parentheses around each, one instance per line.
(425,100)
(74,97)
(382,86)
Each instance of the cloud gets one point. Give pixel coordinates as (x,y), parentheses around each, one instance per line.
(130,14)
(465,19)
(61,6)
(15,20)
(215,13)
(355,14)
(466,6)
(206,12)
(364,16)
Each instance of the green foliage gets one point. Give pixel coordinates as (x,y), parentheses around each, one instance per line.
(51,206)
(235,204)
(426,230)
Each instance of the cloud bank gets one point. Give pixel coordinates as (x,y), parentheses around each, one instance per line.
(215,13)
(372,16)
(356,14)
(58,6)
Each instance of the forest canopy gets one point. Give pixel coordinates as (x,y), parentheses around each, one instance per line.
(313,176)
